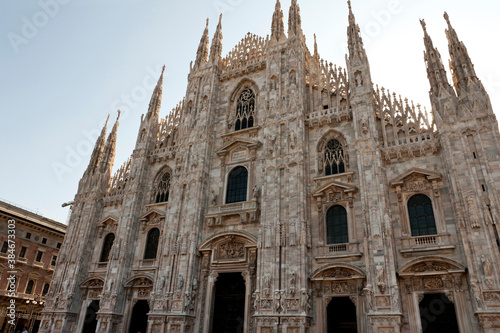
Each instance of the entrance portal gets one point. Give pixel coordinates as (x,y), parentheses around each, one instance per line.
(90,323)
(139,319)
(437,314)
(229,304)
(341,313)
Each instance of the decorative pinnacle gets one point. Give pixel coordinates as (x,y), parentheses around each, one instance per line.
(107,119)
(207,23)
(119,112)
(278,5)
(424,25)
(447,18)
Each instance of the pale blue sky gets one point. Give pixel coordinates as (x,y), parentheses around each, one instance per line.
(64,71)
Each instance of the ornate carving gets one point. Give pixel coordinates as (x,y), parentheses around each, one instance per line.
(231,250)
(433,283)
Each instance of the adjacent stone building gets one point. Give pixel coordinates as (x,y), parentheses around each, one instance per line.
(286,194)
(37,242)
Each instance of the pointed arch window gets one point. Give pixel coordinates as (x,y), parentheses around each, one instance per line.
(162,188)
(106,247)
(334,159)
(29,287)
(45,289)
(152,244)
(245,108)
(336,225)
(421,216)
(237,184)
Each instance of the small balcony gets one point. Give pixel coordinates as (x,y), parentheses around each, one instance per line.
(332,251)
(428,243)
(234,213)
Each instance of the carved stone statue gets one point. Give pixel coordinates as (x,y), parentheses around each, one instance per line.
(486,265)
(476,293)
(180,282)
(381,278)
(292,278)
(267,283)
(305,305)
(368,293)
(256,301)
(255,192)
(214,199)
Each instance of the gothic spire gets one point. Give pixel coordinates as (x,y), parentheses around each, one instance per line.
(108,157)
(461,65)
(155,103)
(277,28)
(294,20)
(316,54)
(435,69)
(98,150)
(216,49)
(202,54)
(355,42)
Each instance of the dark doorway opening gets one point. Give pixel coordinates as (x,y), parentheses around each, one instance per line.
(139,319)
(341,313)
(90,321)
(437,314)
(229,304)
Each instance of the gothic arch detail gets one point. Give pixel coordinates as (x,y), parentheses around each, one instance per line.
(243,106)
(161,186)
(332,154)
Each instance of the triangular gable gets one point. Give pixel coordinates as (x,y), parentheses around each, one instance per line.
(346,188)
(429,175)
(250,144)
(145,217)
(107,221)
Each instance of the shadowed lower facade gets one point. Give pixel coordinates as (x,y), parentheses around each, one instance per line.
(286,194)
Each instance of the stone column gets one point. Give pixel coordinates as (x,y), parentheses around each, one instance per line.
(212,278)
(248,297)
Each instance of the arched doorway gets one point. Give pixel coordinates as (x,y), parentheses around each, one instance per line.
(90,321)
(139,318)
(341,314)
(229,303)
(437,314)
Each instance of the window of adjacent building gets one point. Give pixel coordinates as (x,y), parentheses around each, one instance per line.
(22,252)
(5,246)
(28,235)
(53,261)
(44,240)
(421,216)
(45,289)
(237,183)
(39,255)
(29,287)
(106,247)
(162,188)
(336,225)
(152,244)
(245,108)
(334,158)
(58,245)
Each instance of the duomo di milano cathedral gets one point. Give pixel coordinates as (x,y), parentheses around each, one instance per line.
(287,195)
